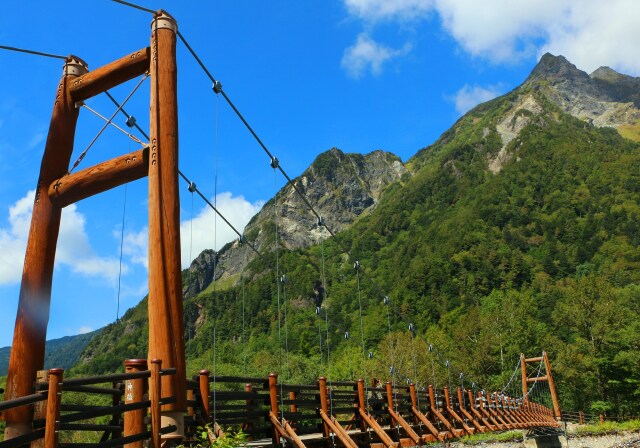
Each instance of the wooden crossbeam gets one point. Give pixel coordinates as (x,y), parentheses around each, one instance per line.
(110,75)
(99,178)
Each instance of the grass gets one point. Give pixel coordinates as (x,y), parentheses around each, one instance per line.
(491,437)
(222,284)
(630,131)
(609,427)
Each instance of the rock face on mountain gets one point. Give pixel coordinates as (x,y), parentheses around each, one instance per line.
(341,187)
(604,98)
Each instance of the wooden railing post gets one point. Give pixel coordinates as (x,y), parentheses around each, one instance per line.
(273,402)
(249,403)
(53,408)
(390,401)
(432,400)
(40,408)
(155,394)
(362,403)
(204,393)
(324,404)
(116,400)
(134,391)
(292,407)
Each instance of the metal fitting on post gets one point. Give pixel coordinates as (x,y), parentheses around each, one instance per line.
(164,20)
(74,66)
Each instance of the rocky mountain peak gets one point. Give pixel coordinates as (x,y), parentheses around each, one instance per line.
(341,186)
(556,69)
(604,98)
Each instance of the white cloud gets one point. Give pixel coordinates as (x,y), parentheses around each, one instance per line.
(374,10)
(73,250)
(136,246)
(590,33)
(84,329)
(199,233)
(368,55)
(35,139)
(470,96)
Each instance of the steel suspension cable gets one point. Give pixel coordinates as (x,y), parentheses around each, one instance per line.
(217,88)
(283,279)
(190,248)
(131,121)
(356,266)
(244,342)
(215,259)
(275,220)
(99,115)
(326,323)
(36,53)
(124,212)
(415,365)
(84,153)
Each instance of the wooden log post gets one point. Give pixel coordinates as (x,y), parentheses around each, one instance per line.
(421,418)
(324,404)
(32,317)
(273,403)
(53,408)
(557,413)
(134,391)
(39,408)
(390,405)
(293,408)
(523,373)
(250,408)
(361,403)
(205,391)
(155,394)
(166,340)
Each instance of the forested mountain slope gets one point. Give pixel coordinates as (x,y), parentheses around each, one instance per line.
(517,231)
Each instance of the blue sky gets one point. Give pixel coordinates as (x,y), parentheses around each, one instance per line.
(308,75)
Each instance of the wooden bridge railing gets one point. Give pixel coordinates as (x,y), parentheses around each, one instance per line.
(60,412)
(350,414)
(346,413)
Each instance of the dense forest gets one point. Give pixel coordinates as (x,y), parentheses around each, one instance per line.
(541,255)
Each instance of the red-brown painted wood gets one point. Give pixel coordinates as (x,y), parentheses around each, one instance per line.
(32,318)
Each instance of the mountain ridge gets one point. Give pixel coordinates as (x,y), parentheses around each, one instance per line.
(516,231)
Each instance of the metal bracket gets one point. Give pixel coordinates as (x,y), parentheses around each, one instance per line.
(163,20)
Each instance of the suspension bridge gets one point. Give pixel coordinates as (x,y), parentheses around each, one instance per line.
(154,400)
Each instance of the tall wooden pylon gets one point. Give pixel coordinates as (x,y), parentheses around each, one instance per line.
(57,188)
(547,377)
(27,350)
(166,340)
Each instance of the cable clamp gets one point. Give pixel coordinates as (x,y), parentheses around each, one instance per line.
(347,335)
(217,87)
(275,163)
(131,121)
(356,265)
(192,187)
(370,355)
(283,279)
(320,221)
(386,300)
